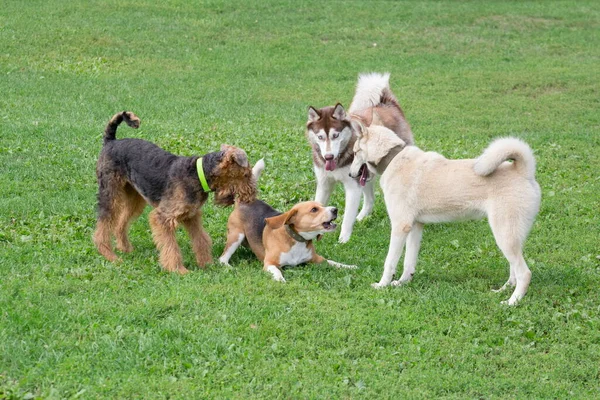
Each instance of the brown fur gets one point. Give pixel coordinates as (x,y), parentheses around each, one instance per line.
(133,172)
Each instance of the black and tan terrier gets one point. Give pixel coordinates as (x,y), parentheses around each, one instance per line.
(133,172)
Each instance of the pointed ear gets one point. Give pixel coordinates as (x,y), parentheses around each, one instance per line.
(339,113)
(358,127)
(313,114)
(282,219)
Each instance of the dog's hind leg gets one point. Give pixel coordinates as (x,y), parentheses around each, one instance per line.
(235,237)
(110,203)
(397,240)
(353,193)
(163,232)
(413,244)
(132,208)
(368,201)
(510,239)
(201,243)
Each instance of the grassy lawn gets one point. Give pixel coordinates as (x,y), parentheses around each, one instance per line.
(199,74)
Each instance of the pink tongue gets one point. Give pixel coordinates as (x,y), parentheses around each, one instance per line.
(329,165)
(363,177)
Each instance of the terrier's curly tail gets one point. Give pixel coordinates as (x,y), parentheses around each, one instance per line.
(111,128)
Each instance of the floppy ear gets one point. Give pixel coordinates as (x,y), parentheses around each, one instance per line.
(282,219)
(313,115)
(237,155)
(240,158)
(339,113)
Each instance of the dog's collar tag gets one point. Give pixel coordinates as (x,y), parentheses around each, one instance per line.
(294,234)
(201,176)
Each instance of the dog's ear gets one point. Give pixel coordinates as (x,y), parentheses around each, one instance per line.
(286,218)
(313,114)
(236,155)
(241,158)
(358,127)
(339,113)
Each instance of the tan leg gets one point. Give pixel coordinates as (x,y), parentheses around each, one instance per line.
(111,202)
(201,242)
(163,233)
(132,208)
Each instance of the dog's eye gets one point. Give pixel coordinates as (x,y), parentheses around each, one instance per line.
(314,210)
(335,135)
(320,137)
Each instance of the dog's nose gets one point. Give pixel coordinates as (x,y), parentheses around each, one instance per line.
(334,211)
(329,157)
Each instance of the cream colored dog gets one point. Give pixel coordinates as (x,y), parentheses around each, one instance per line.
(424,187)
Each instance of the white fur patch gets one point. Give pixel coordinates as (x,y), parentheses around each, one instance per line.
(224,259)
(298,254)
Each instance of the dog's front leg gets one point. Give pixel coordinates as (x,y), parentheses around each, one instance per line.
(317,259)
(163,232)
(368,201)
(275,271)
(325,186)
(353,193)
(201,242)
(397,240)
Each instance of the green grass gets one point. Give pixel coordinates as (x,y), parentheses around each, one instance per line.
(204,73)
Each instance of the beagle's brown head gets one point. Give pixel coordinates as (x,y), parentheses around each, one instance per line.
(309,219)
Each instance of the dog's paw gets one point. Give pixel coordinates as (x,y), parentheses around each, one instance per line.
(344,237)
(399,282)
(181,270)
(279,279)
(362,215)
(513,301)
(377,285)
(224,261)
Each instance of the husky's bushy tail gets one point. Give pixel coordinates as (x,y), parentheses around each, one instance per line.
(130,118)
(373,90)
(504,149)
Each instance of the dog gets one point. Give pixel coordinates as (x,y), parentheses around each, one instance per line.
(279,239)
(424,187)
(330,133)
(133,172)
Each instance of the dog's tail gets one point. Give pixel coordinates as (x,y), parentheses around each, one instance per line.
(373,90)
(501,150)
(258,168)
(111,128)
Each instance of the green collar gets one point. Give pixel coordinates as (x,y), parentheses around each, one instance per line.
(201,176)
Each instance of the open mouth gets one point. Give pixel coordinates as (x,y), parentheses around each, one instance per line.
(329,165)
(329,225)
(364,175)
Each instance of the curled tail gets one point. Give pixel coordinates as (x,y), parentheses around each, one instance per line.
(373,90)
(111,128)
(258,169)
(505,149)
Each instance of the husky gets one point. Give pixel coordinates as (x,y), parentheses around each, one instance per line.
(424,187)
(331,133)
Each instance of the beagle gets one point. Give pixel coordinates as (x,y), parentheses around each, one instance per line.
(279,239)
